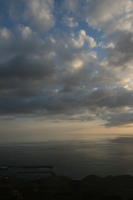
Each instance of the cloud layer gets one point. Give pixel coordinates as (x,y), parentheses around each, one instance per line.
(57,64)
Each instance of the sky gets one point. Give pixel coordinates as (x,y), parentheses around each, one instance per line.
(66,68)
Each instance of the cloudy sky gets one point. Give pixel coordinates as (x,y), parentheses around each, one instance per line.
(66,67)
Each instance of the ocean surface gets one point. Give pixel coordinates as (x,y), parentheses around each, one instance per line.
(75,158)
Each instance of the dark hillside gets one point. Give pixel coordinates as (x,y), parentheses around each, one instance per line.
(63,188)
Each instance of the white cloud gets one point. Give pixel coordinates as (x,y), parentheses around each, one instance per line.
(70,22)
(110,15)
(71,5)
(25,31)
(77,63)
(83,39)
(5,33)
(40,12)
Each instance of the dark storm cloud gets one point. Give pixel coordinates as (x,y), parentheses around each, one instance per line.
(40,78)
(23,67)
(24,64)
(120,119)
(122,53)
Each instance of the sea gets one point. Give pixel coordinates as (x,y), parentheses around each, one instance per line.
(75,158)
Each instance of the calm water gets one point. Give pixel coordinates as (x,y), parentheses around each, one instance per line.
(77,158)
